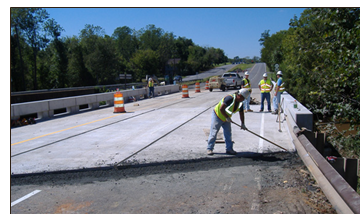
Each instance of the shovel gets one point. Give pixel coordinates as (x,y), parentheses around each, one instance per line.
(261,137)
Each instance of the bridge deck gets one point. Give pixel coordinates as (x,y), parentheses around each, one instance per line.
(165,128)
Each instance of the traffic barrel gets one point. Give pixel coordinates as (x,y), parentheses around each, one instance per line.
(207,85)
(185,91)
(197,87)
(119,102)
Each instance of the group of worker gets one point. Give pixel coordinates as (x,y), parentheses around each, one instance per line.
(237,102)
(240,102)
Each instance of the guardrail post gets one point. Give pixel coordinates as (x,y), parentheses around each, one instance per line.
(351,172)
(320,142)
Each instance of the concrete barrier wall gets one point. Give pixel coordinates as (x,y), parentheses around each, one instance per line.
(46,109)
(301,115)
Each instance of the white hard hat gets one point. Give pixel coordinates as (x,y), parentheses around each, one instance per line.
(246,73)
(279,73)
(244,92)
(265,75)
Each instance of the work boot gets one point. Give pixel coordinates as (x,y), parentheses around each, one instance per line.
(231,152)
(250,110)
(275,112)
(245,111)
(261,110)
(210,152)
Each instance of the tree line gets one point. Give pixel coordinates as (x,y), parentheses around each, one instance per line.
(319,57)
(42,59)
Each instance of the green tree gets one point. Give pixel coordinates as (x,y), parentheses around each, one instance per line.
(196,59)
(319,56)
(145,62)
(99,54)
(79,75)
(30,22)
(126,42)
(150,37)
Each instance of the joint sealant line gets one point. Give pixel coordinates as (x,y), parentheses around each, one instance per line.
(85,131)
(117,164)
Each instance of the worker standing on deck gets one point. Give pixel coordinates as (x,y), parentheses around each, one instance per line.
(265,86)
(279,89)
(221,117)
(246,84)
(151,87)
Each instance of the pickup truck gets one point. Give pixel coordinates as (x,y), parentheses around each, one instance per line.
(232,80)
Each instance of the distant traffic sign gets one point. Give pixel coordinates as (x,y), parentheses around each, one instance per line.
(125,76)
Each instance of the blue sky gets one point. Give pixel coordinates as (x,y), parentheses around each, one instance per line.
(234,30)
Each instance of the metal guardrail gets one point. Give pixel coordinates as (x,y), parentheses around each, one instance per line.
(340,194)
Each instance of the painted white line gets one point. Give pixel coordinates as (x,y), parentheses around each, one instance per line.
(25,197)
(255,206)
(261,141)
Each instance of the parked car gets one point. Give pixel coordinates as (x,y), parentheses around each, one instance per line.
(232,79)
(178,78)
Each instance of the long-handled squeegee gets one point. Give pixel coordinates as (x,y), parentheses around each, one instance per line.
(260,136)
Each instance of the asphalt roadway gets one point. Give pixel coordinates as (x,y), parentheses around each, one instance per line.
(152,159)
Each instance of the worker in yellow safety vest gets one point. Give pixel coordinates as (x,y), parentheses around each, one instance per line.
(265,86)
(151,87)
(279,89)
(221,117)
(246,84)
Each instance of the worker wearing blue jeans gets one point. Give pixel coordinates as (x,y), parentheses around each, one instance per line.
(265,87)
(221,117)
(151,87)
(279,89)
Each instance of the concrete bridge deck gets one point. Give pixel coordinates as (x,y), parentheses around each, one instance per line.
(165,128)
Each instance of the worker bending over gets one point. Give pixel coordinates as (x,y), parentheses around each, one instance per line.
(221,117)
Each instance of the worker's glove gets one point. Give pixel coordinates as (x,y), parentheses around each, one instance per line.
(243,127)
(228,119)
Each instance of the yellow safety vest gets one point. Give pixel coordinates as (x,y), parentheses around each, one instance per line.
(151,84)
(282,86)
(229,110)
(246,83)
(265,86)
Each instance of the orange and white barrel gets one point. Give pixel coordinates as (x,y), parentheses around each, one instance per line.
(119,102)
(207,85)
(197,87)
(185,91)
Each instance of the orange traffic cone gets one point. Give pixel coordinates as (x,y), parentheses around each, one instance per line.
(119,102)
(197,87)
(185,92)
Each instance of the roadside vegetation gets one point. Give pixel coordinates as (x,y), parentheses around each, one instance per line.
(319,58)
(241,67)
(42,59)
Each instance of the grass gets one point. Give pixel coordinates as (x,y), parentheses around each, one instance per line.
(242,67)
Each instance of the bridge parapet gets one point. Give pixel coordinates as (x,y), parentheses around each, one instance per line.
(46,109)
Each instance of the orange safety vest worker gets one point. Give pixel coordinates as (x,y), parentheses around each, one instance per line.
(229,110)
